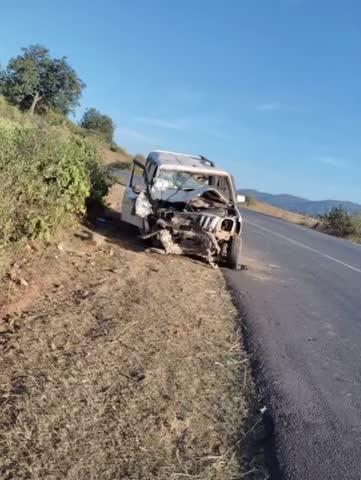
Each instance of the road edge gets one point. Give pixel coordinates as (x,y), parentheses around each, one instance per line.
(265,447)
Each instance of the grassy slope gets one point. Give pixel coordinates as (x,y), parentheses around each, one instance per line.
(121,158)
(108,156)
(132,366)
(35,149)
(299,219)
(292,217)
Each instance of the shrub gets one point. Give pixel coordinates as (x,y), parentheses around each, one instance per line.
(9,111)
(46,175)
(338,222)
(356,221)
(250,200)
(99,123)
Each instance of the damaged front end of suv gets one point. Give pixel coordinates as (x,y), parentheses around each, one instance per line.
(190,210)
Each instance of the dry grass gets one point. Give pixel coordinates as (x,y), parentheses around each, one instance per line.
(121,159)
(126,366)
(292,217)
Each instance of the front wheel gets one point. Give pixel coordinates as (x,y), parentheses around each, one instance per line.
(235,253)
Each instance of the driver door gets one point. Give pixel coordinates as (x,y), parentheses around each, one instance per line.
(140,181)
(135,185)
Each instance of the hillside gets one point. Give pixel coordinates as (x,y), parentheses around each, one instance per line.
(311,221)
(51,170)
(301,205)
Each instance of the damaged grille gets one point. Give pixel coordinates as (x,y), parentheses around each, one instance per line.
(213,223)
(209,222)
(201,233)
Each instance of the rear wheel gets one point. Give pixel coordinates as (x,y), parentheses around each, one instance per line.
(235,253)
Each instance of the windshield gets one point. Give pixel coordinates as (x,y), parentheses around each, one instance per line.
(175,180)
(170,179)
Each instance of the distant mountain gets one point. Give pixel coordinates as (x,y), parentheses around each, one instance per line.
(301,205)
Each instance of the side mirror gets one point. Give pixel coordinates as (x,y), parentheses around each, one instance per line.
(240,198)
(138,189)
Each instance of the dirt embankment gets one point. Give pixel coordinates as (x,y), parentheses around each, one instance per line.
(118,364)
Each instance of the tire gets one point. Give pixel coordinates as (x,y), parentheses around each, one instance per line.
(235,253)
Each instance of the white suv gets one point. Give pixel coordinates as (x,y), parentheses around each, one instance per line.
(186,205)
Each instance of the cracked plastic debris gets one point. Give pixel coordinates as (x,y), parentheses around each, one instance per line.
(143,207)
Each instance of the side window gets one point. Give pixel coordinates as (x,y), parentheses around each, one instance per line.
(136,176)
(222,185)
(150,168)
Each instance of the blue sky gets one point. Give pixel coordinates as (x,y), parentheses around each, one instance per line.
(270,89)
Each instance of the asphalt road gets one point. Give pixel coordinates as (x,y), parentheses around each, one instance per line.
(302,300)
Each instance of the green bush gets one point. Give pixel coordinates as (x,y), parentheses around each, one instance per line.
(10,112)
(46,175)
(356,222)
(338,222)
(250,200)
(99,123)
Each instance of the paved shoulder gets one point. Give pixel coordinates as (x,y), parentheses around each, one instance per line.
(302,293)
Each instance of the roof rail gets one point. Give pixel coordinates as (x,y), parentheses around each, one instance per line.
(206,161)
(174,153)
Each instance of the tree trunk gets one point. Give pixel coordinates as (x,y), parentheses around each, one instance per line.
(36,100)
